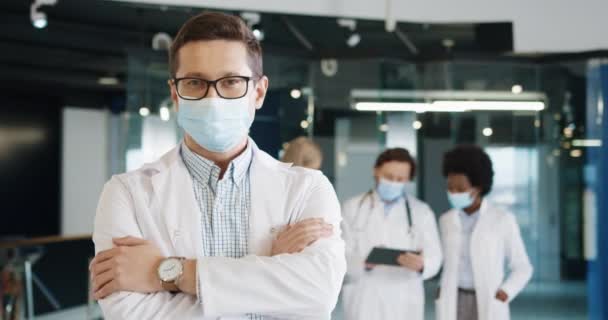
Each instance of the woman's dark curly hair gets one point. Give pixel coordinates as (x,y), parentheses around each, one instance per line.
(473,162)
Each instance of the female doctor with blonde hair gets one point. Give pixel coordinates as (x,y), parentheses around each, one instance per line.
(303,152)
(387,216)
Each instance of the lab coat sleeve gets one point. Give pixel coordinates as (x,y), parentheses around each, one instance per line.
(304,285)
(431,245)
(115,217)
(354,262)
(519,263)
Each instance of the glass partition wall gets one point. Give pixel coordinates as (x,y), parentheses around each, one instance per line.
(538,168)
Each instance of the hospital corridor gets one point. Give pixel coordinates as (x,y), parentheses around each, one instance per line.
(315,160)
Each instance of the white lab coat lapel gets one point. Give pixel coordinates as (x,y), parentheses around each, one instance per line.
(267,212)
(446,305)
(484,256)
(480,258)
(486,253)
(174,193)
(369,223)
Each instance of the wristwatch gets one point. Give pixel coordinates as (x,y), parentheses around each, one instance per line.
(170,271)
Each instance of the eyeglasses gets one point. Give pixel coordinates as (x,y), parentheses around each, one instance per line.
(192,88)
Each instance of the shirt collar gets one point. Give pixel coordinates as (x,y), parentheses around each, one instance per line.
(205,171)
(466,216)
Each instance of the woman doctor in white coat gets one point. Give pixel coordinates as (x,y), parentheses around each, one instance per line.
(387,216)
(479,240)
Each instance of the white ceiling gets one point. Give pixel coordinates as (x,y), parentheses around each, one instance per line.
(544,26)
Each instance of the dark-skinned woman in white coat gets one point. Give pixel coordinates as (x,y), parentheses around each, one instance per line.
(479,240)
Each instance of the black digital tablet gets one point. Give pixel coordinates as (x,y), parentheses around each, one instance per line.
(386,256)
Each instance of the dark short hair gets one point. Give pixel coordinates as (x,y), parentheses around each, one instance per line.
(397,154)
(217,26)
(474,163)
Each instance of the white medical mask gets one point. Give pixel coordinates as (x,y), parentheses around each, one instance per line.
(216,124)
(389,190)
(460,200)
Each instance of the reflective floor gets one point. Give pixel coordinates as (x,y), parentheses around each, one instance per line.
(540,301)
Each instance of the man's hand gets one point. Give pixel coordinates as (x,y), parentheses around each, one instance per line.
(411,261)
(502,296)
(130,266)
(300,235)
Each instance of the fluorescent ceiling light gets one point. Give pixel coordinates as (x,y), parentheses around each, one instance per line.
(491,105)
(517,89)
(295,93)
(576,153)
(451,106)
(587,143)
(144,111)
(353,40)
(419,107)
(108,81)
(487,132)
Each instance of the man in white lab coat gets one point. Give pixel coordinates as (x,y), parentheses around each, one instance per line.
(479,240)
(387,216)
(216,228)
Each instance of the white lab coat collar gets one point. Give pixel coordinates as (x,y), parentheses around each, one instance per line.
(172,163)
(264,174)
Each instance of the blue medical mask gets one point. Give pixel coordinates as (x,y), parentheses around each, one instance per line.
(216,124)
(460,200)
(389,190)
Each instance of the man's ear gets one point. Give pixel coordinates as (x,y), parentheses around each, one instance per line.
(376,175)
(261,87)
(173,94)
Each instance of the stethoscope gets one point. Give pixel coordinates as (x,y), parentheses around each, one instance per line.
(369,195)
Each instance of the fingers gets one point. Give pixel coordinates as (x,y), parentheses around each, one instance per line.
(308,227)
(403,259)
(407,259)
(314,231)
(106,290)
(502,296)
(286,231)
(105,255)
(411,261)
(305,224)
(298,236)
(414,258)
(129,241)
(306,236)
(101,280)
(101,267)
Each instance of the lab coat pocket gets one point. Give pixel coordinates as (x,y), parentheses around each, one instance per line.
(438,309)
(348,298)
(500,310)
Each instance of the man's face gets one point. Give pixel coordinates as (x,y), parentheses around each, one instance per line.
(214,59)
(395,171)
